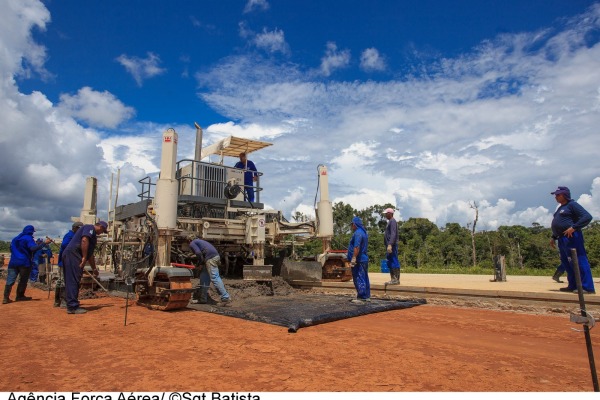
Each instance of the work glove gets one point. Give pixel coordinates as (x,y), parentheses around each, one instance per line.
(353,262)
(389,249)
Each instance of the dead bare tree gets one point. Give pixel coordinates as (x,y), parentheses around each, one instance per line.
(474,206)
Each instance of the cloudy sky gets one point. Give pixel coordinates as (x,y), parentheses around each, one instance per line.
(428,105)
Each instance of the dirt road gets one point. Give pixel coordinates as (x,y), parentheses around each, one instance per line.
(425,348)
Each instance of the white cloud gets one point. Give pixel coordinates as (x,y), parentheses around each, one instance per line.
(142,68)
(216,132)
(371,60)
(472,128)
(19,54)
(272,41)
(334,59)
(101,109)
(253,5)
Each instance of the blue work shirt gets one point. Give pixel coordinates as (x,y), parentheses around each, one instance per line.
(38,257)
(569,215)
(65,242)
(74,246)
(248,175)
(22,248)
(391,233)
(361,240)
(203,249)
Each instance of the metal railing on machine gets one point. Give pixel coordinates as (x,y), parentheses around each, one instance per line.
(202,179)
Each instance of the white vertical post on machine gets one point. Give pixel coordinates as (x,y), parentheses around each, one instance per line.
(324,210)
(165,200)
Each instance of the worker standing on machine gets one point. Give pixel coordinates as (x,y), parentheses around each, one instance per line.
(209,258)
(59,293)
(359,261)
(79,252)
(250,175)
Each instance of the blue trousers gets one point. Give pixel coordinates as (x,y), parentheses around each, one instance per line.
(23,274)
(250,193)
(360,277)
(73,273)
(565,245)
(392,258)
(35,270)
(210,273)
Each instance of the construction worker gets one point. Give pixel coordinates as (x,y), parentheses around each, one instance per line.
(40,257)
(569,218)
(390,240)
(22,248)
(209,259)
(59,292)
(250,175)
(77,254)
(359,261)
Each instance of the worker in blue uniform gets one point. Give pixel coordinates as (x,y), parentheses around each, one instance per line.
(209,259)
(569,218)
(359,261)
(76,255)
(59,292)
(390,240)
(250,175)
(22,248)
(40,257)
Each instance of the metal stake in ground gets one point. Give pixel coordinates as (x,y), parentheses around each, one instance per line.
(586,328)
(129,283)
(48,277)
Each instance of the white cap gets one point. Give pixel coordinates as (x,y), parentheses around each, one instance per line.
(388,210)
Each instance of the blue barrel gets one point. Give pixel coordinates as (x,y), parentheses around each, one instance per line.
(384,266)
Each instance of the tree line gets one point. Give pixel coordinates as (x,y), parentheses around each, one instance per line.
(422,243)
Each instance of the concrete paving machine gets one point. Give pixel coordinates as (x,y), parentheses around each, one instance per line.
(148,241)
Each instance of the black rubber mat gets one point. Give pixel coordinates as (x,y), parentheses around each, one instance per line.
(302,310)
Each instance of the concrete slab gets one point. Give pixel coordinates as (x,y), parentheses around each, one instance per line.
(538,288)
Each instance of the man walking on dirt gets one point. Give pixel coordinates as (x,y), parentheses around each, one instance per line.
(390,240)
(569,219)
(78,253)
(209,256)
(359,261)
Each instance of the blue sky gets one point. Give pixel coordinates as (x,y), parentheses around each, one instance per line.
(428,105)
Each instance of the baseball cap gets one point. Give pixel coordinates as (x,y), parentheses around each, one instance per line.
(103,225)
(388,210)
(562,190)
(77,225)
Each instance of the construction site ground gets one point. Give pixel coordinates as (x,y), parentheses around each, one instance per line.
(471,335)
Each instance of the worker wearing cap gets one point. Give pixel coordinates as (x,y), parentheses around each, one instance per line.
(59,293)
(569,219)
(390,240)
(250,175)
(22,248)
(79,252)
(209,258)
(359,261)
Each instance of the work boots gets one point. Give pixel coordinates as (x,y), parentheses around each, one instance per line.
(391,281)
(57,291)
(7,290)
(557,276)
(395,274)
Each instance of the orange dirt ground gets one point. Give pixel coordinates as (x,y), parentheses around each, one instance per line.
(425,348)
